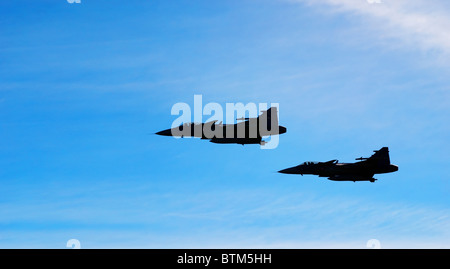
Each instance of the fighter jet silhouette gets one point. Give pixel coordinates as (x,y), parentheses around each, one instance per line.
(248,131)
(364,170)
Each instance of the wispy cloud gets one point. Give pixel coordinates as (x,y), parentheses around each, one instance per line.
(301,220)
(419,23)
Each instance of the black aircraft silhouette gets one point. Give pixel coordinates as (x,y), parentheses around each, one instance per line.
(364,170)
(249,131)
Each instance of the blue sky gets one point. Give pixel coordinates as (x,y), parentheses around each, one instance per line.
(83,87)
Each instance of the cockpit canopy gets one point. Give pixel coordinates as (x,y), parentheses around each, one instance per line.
(189,124)
(309,163)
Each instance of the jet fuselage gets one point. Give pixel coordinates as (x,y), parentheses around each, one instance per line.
(379,163)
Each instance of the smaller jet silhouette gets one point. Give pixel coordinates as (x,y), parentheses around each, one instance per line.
(378,163)
(248,131)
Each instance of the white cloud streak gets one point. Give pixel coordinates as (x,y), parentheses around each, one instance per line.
(299,220)
(418,23)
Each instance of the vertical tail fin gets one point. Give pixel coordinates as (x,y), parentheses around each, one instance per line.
(381,156)
(269,117)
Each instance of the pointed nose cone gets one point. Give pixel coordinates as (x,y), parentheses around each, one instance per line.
(282,130)
(167,132)
(292,171)
(394,167)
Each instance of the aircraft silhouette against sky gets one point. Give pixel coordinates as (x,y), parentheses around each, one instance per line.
(248,131)
(378,163)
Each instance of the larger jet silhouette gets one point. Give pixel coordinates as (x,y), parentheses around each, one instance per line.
(249,131)
(364,170)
